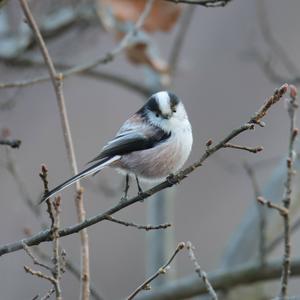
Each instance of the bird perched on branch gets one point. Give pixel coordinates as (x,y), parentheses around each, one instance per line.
(153,143)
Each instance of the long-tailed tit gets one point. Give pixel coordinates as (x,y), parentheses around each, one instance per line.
(153,143)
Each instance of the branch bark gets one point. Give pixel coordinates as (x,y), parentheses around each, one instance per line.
(57,85)
(221,280)
(169,182)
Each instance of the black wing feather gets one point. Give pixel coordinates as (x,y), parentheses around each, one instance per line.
(132,141)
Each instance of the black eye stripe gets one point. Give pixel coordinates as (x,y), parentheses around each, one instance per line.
(174,101)
(153,106)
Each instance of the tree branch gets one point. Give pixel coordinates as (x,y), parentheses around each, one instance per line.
(65,70)
(261,212)
(145,227)
(57,85)
(104,59)
(11,143)
(161,270)
(169,182)
(201,273)
(287,196)
(244,274)
(206,3)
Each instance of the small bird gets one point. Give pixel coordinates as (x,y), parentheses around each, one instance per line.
(152,144)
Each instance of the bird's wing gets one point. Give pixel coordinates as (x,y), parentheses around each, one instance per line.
(128,140)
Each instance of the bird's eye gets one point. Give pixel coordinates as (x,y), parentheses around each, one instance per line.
(157,115)
(173,109)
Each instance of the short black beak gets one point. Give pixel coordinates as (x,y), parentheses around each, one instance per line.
(166,117)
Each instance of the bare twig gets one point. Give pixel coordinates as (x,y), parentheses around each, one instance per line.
(11,143)
(276,51)
(273,244)
(66,71)
(11,166)
(275,47)
(86,67)
(261,212)
(56,249)
(240,147)
(162,270)
(169,182)
(39,274)
(256,119)
(69,266)
(206,3)
(292,106)
(34,259)
(200,272)
(223,279)
(179,39)
(44,177)
(48,294)
(57,85)
(282,210)
(54,211)
(145,227)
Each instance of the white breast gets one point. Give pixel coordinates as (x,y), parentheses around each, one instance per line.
(158,162)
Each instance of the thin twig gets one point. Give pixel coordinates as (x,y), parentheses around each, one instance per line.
(48,294)
(256,119)
(56,249)
(57,85)
(200,272)
(145,227)
(44,177)
(282,210)
(169,182)
(179,39)
(11,167)
(273,244)
(104,59)
(275,47)
(205,3)
(69,266)
(40,275)
(11,143)
(223,279)
(161,270)
(261,213)
(240,147)
(22,62)
(34,259)
(286,265)
(58,269)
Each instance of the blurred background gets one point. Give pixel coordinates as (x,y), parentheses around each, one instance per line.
(230,60)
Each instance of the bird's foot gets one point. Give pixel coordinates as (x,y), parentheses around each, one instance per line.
(172,179)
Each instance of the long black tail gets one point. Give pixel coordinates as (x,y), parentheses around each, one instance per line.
(89,171)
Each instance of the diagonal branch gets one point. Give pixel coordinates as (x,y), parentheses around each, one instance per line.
(200,272)
(86,67)
(228,279)
(160,271)
(169,182)
(11,143)
(137,226)
(205,3)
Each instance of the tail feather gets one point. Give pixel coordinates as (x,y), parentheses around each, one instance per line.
(95,168)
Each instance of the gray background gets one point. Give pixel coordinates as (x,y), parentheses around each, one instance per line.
(221,88)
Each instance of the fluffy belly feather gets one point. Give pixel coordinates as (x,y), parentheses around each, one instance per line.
(159,161)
